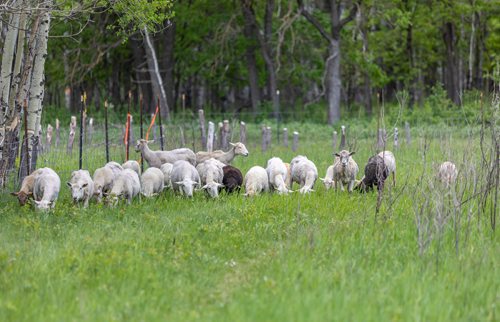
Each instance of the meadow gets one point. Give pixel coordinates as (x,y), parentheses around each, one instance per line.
(325,256)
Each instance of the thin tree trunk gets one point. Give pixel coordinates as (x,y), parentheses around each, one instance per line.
(156,79)
(169,62)
(37,85)
(452,73)
(6,72)
(250,33)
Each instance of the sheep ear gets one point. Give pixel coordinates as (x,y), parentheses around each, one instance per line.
(337,155)
(179,182)
(150,141)
(69,184)
(220,185)
(353,152)
(232,144)
(14,193)
(322,179)
(37,202)
(30,193)
(204,187)
(84,185)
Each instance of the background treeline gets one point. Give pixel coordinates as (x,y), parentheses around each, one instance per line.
(233,56)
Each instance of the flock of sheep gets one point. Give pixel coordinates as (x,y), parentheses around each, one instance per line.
(184,172)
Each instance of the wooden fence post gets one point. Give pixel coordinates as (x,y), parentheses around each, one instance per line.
(181,135)
(295,145)
(71,137)
(218,146)
(90,131)
(285,137)
(210,136)
(49,137)
(58,133)
(201,118)
(268,137)
(342,138)
(334,141)
(106,138)
(264,138)
(225,135)
(243,132)
(408,135)
(396,138)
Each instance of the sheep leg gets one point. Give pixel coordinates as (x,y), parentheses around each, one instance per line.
(342,186)
(86,203)
(351,186)
(394,179)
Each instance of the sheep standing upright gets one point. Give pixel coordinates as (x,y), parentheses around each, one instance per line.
(211,175)
(82,186)
(224,157)
(132,165)
(390,162)
(233,179)
(152,182)
(46,189)
(256,181)
(345,170)
(328,179)
(277,173)
(184,178)
(127,185)
(376,173)
(304,172)
(157,158)
(447,173)
(27,185)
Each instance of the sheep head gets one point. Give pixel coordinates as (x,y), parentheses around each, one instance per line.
(43,205)
(239,149)
(141,143)
(22,196)
(344,157)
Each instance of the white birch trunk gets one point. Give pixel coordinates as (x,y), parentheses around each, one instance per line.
(6,72)
(154,72)
(38,80)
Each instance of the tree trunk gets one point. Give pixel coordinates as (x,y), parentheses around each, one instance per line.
(333,82)
(250,33)
(451,73)
(169,62)
(156,79)
(37,84)
(6,72)
(367,87)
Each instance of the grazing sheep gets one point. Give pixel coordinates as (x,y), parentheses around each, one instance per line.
(328,179)
(82,186)
(447,173)
(390,162)
(211,175)
(224,157)
(304,172)
(46,189)
(152,182)
(256,181)
(277,173)
(233,179)
(376,173)
(166,168)
(345,170)
(26,190)
(132,165)
(157,158)
(184,178)
(103,180)
(126,185)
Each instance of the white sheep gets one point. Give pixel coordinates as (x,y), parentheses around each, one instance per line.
(211,175)
(126,185)
(152,182)
(82,186)
(132,165)
(328,179)
(256,180)
(447,173)
(26,190)
(224,157)
(184,178)
(277,174)
(166,168)
(115,167)
(390,163)
(345,170)
(288,178)
(46,189)
(304,172)
(157,158)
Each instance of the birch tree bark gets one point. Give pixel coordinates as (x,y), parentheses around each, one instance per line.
(6,71)
(154,70)
(37,88)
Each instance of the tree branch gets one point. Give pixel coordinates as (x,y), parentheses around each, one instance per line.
(349,17)
(313,21)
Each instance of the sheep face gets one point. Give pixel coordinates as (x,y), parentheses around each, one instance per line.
(329,183)
(186,187)
(43,205)
(240,149)
(344,157)
(212,189)
(77,190)
(22,197)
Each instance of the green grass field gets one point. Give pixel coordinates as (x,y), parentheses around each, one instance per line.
(319,257)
